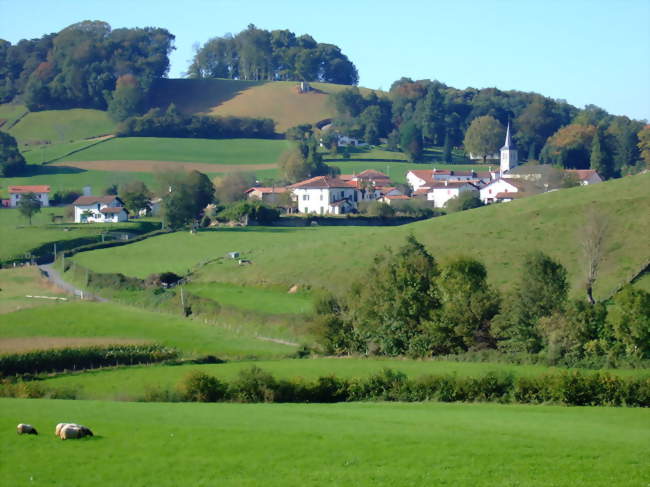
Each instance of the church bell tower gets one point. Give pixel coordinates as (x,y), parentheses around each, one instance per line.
(508,154)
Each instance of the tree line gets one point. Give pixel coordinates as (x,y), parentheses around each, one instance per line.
(278,55)
(415,114)
(408,304)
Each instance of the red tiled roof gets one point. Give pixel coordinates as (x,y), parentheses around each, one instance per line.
(449,184)
(28,189)
(372,174)
(266,190)
(116,209)
(397,197)
(323,182)
(583,174)
(91,200)
(424,190)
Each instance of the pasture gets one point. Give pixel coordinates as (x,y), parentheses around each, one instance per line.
(84,319)
(132,383)
(61,126)
(389,444)
(17,283)
(278,100)
(499,235)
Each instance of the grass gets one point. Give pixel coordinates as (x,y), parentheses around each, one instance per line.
(17,283)
(499,235)
(83,319)
(25,237)
(59,126)
(133,382)
(273,301)
(379,444)
(49,152)
(10,112)
(279,100)
(224,151)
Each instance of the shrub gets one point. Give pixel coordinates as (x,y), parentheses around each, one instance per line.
(253,385)
(387,385)
(201,387)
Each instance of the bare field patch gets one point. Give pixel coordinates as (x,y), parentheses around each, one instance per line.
(20,345)
(155,166)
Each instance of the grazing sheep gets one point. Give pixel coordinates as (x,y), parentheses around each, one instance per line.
(57,430)
(68,431)
(26,429)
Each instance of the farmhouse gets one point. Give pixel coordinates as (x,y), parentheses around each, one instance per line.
(41,192)
(585,176)
(501,190)
(99,209)
(442,191)
(426,178)
(324,194)
(269,195)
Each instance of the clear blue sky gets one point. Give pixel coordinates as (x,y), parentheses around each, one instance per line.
(584,51)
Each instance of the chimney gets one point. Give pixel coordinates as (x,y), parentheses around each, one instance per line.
(87,191)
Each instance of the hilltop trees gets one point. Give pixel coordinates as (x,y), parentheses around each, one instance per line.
(12,162)
(79,66)
(257,54)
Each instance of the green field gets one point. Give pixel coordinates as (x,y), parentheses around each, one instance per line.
(264,300)
(224,151)
(88,319)
(10,112)
(132,382)
(498,235)
(59,126)
(342,444)
(51,152)
(16,284)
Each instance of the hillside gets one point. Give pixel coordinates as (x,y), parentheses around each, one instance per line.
(498,235)
(278,100)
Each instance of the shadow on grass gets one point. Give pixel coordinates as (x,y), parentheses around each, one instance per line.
(252,229)
(38,170)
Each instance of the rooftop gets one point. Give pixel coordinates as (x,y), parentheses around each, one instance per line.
(29,189)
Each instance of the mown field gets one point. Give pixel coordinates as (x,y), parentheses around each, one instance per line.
(132,383)
(278,100)
(62,126)
(16,284)
(84,319)
(498,235)
(343,444)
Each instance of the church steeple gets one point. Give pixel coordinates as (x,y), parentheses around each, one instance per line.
(508,153)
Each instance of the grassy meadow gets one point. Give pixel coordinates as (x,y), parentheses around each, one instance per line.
(131,383)
(390,444)
(498,235)
(17,283)
(10,112)
(84,319)
(62,126)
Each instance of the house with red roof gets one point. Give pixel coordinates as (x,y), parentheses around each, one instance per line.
(42,192)
(266,194)
(585,176)
(99,209)
(326,195)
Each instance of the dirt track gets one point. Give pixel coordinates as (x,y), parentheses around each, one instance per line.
(154,166)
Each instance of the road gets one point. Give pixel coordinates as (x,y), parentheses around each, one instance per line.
(54,276)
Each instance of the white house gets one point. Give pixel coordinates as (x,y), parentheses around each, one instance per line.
(326,195)
(585,176)
(41,192)
(99,209)
(424,178)
(500,190)
(442,191)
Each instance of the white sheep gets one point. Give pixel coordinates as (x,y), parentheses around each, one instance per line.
(26,429)
(68,431)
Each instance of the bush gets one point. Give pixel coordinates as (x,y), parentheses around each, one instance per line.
(249,210)
(201,387)
(254,385)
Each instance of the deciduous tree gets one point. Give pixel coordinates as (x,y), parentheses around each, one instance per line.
(484,136)
(29,205)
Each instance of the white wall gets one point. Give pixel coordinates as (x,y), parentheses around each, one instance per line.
(44,198)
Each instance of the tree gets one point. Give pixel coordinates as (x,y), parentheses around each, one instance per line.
(185,196)
(447,149)
(630,320)
(127,100)
(541,291)
(231,186)
(597,158)
(395,298)
(593,233)
(484,136)
(304,161)
(12,163)
(468,306)
(411,141)
(569,147)
(29,205)
(464,201)
(136,196)
(644,144)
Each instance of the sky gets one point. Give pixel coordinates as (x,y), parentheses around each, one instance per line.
(583,51)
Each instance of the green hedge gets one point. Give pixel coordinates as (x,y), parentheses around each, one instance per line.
(569,388)
(83,358)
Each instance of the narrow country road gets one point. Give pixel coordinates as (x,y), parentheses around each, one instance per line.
(54,276)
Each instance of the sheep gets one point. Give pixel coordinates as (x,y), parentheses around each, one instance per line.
(26,429)
(68,431)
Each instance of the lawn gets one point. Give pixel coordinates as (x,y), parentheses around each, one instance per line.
(133,382)
(499,235)
(265,300)
(377,444)
(84,319)
(224,151)
(58,126)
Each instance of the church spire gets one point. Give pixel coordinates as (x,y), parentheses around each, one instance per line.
(508,145)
